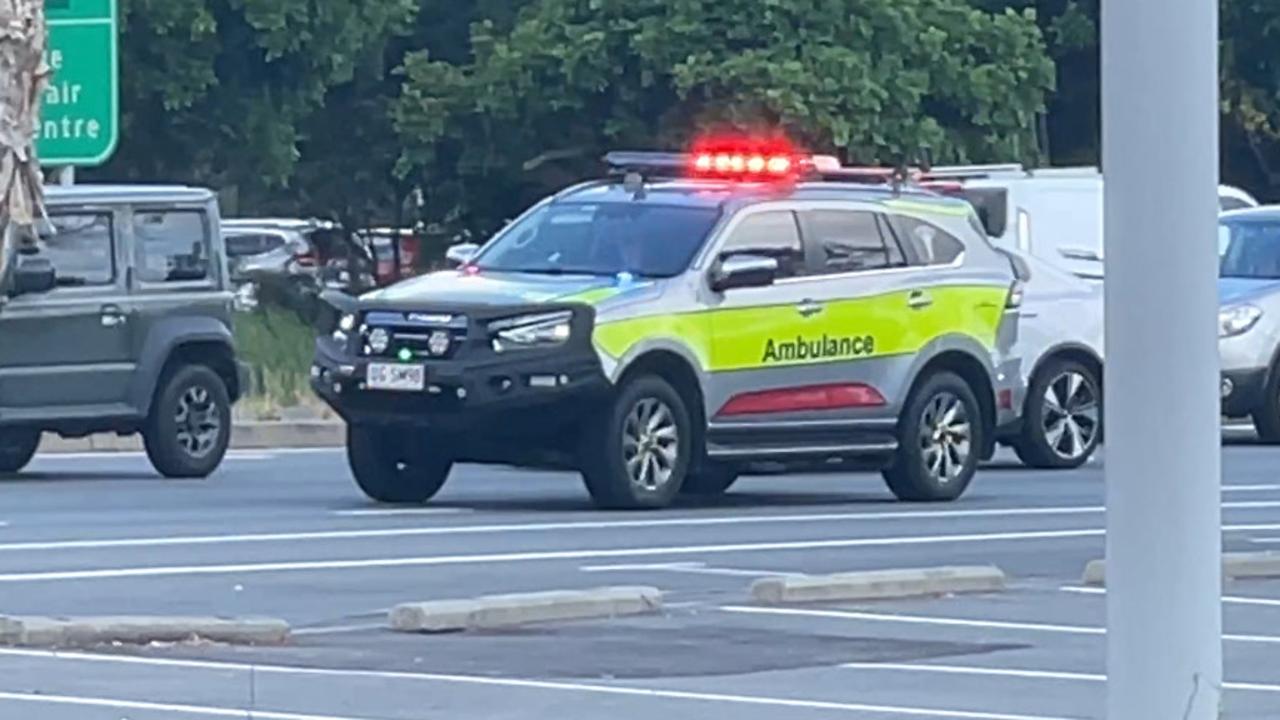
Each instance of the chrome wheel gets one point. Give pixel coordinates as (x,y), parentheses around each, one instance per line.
(650,444)
(946,436)
(198,422)
(1070,415)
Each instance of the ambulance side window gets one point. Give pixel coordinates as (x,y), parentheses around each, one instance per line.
(772,234)
(932,244)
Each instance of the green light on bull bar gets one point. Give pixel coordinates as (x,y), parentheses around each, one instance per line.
(405,354)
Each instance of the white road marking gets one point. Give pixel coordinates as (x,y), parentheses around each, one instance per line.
(695,568)
(1024,674)
(957,622)
(1227,599)
(1249,488)
(687,521)
(390,512)
(582,554)
(139,455)
(204,710)
(498,529)
(586,688)
(336,629)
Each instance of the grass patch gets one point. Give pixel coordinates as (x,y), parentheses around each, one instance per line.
(278,345)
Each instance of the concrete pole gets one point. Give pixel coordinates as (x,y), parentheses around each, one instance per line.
(1164,541)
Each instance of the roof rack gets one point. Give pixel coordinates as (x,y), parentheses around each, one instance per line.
(959,172)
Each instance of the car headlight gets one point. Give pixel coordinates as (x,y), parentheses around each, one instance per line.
(531,331)
(1237,320)
(346,324)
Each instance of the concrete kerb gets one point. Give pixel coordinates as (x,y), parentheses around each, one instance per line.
(244,436)
(498,611)
(138,630)
(877,584)
(1235,566)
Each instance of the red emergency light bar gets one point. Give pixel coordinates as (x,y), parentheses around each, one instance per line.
(744,158)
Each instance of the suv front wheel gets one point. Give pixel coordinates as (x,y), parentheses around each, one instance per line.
(637,455)
(939,441)
(395,465)
(17,447)
(187,433)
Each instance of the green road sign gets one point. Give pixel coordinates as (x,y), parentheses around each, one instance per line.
(79,116)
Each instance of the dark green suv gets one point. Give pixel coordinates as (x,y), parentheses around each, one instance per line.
(117,318)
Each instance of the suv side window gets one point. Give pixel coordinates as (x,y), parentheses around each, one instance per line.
(849,241)
(173,245)
(932,244)
(772,234)
(81,248)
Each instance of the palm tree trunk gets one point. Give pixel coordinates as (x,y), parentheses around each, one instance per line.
(23,76)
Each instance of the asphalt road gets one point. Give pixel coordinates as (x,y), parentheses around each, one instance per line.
(286,534)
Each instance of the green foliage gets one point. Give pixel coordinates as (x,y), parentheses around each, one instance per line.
(277,344)
(875,79)
(224,92)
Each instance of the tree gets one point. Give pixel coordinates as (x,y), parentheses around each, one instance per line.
(221,92)
(874,79)
(23,75)
(1251,93)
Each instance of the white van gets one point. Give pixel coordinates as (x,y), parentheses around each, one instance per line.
(1052,213)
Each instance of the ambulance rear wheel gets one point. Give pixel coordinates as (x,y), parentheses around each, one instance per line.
(939,441)
(635,453)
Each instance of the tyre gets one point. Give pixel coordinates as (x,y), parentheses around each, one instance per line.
(17,447)
(1266,419)
(1062,422)
(710,479)
(187,432)
(940,437)
(636,455)
(395,465)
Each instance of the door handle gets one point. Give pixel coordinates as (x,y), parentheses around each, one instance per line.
(918,299)
(809,308)
(113,316)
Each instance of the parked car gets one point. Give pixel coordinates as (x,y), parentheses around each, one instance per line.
(1249,318)
(383,244)
(1052,213)
(1058,341)
(314,254)
(117,318)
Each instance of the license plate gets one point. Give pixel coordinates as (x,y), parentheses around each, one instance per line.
(389,376)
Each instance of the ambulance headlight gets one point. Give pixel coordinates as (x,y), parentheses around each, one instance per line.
(531,331)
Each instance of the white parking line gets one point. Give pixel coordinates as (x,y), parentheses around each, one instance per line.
(586,688)
(392,512)
(687,521)
(203,710)
(497,529)
(336,629)
(1249,488)
(1024,674)
(583,554)
(957,622)
(693,568)
(1227,599)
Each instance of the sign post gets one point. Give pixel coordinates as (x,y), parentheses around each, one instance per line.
(79,114)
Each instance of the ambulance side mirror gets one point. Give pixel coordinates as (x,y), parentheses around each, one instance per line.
(742,271)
